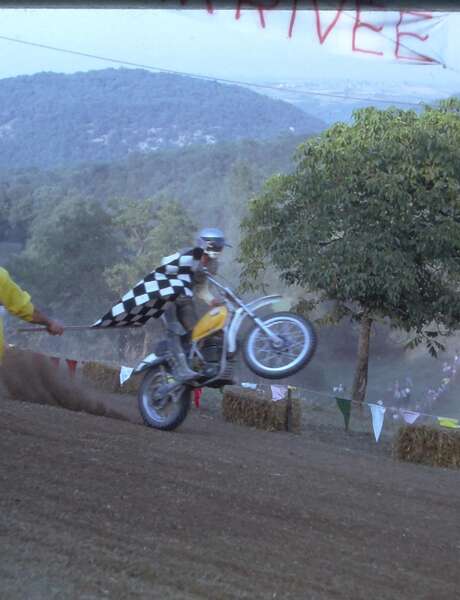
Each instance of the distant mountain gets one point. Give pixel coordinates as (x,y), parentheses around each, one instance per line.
(333,100)
(50,120)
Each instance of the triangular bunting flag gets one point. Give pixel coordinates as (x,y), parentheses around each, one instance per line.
(345,408)
(72,366)
(125,373)
(450,423)
(278,392)
(409,416)
(377,413)
(197,396)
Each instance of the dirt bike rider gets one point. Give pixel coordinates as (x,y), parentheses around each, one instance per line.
(181,315)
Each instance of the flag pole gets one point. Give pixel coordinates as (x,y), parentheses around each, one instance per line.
(73,328)
(66,328)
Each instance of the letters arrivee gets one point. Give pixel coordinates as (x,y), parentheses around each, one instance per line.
(406,35)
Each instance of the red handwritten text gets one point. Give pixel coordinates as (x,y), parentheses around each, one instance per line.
(400,34)
(397,31)
(361,24)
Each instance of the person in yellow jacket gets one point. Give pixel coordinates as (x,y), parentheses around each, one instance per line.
(18,303)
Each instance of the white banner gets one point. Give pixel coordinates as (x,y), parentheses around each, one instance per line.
(406,36)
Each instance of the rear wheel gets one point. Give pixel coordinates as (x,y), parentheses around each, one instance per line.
(297,348)
(168,412)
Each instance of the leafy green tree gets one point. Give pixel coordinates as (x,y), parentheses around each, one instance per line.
(133,221)
(147,230)
(173,230)
(65,257)
(371,220)
(451,105)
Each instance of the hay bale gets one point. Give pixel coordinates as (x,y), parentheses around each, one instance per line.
(106,377)
(102,376)
(129,387)
(428,445)
(256,409)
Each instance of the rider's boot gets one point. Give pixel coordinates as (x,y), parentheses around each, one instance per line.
(181,370)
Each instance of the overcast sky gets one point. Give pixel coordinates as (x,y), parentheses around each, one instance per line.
(216,44)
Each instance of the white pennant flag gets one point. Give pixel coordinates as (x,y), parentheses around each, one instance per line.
(251,386)
(409,416)
(125,374)
(279,392)
(377,413)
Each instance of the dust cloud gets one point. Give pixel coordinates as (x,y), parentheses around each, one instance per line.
(31,377)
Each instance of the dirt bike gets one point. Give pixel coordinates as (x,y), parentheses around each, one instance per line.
(277,345)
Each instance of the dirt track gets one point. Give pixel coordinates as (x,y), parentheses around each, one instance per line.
(93,507)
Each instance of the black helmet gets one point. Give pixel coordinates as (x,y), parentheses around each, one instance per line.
(212,240)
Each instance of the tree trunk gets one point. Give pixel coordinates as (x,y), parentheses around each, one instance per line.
(360,380)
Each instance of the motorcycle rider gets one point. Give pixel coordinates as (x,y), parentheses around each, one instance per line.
(181,315)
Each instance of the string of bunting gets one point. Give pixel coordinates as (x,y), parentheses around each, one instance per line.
(279,392)
(377,410)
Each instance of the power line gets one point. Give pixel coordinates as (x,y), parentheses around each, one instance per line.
(208,77)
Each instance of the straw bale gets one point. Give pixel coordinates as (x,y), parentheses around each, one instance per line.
(106,377)
(255,409)
(428,445)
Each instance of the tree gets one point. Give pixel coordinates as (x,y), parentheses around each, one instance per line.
(451,105)
(370,219)
(173,230)
(147,231)
(65,257)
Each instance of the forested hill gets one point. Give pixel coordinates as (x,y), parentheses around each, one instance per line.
(212,183)
(85,225)
(49,119)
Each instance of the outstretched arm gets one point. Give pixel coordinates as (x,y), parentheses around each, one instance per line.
(52,326)
(18,303)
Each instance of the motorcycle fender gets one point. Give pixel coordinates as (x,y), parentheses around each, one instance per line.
(152,360)
(241,314)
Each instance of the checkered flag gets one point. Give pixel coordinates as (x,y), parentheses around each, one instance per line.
(147,298)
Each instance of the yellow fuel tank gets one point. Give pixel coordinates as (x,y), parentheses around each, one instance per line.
(212,321)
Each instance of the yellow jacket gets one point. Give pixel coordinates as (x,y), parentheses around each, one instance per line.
(15,300)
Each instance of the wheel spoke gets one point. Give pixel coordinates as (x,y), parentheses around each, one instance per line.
(272,358)
(298,345)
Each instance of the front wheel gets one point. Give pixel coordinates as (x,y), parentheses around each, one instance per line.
(275,362)
(168,412)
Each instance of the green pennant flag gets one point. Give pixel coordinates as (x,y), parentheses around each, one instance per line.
(450,423)
(345,408)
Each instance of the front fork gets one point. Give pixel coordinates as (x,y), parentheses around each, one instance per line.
(249,310)
(276,340)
